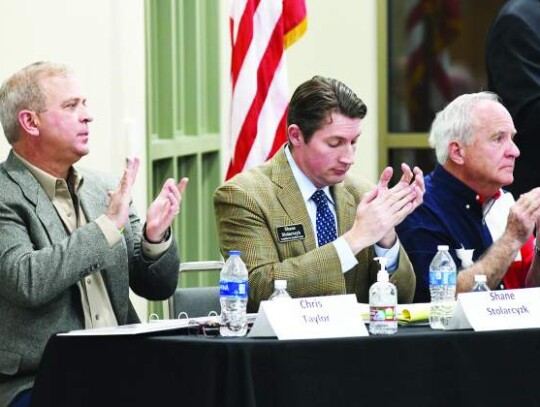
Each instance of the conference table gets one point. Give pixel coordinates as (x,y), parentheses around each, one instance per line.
(415,367)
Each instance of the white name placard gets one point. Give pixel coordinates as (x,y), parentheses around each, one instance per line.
(497,310)
(331,316)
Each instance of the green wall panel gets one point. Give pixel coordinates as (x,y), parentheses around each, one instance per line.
(183,120)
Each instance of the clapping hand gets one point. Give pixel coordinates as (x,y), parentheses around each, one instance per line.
(163,210)
(403,198)
(382,208)
(417,183)
(523,217)
(120,198)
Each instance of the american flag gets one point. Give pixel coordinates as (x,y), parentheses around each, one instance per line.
(260,32)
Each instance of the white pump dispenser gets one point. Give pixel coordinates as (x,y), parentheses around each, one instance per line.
(382,275)
(382,303)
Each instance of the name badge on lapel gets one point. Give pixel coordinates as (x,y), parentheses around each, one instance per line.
(290,232)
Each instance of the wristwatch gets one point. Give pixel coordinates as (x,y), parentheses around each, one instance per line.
(163,240)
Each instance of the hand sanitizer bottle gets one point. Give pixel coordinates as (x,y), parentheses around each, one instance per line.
(480,283)
(382,303)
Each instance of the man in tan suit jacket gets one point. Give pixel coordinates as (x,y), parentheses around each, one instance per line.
(267,212)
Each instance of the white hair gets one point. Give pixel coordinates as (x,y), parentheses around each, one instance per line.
(456,122)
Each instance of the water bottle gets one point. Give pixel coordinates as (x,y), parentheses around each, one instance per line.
(382,303)
(233,296)
(480,283)
(442,287)
(280,291)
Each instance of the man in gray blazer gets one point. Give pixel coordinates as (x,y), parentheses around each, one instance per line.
(71,244)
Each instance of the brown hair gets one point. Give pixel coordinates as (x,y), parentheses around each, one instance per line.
(314,100)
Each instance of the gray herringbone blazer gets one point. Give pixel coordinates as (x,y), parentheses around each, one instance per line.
(251,206)
(40,265)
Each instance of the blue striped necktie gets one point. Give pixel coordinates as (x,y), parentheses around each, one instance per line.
(325,220)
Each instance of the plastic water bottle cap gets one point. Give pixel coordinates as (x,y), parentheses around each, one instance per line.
(235,252)
(280,284)
(480,278)
(443,247)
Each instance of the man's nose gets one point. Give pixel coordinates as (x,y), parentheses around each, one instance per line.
(513,149)
(348,155)
(85,115)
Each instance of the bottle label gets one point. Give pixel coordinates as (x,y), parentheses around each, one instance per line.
(437,277)
(233,289)
(382,313)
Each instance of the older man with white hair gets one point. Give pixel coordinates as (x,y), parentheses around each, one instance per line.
(465,206)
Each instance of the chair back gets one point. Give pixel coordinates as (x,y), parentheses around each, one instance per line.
(196,301)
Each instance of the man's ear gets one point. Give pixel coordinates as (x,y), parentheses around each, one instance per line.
(29,122)
(295,136)
(456,152)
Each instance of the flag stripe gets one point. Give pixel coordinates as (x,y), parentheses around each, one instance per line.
(241,39)
(270,117)
(294,21)
(238,9)
(265,74)
(281,134)
(245,90)
(260,29)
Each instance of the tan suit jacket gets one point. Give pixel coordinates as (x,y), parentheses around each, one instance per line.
(251,206)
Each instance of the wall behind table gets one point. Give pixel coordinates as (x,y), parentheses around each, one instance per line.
(103,41)
(341,42)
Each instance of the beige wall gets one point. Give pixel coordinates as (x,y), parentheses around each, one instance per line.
(103,40)
(340,42)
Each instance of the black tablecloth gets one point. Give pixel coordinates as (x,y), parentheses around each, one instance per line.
(416,367)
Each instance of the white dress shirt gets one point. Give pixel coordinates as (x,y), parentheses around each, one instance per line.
(345,254)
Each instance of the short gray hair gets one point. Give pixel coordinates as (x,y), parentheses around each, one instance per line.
(456,122)
(22,91)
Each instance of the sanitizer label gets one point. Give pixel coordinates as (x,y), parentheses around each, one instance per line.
(382,313)
(233,289)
